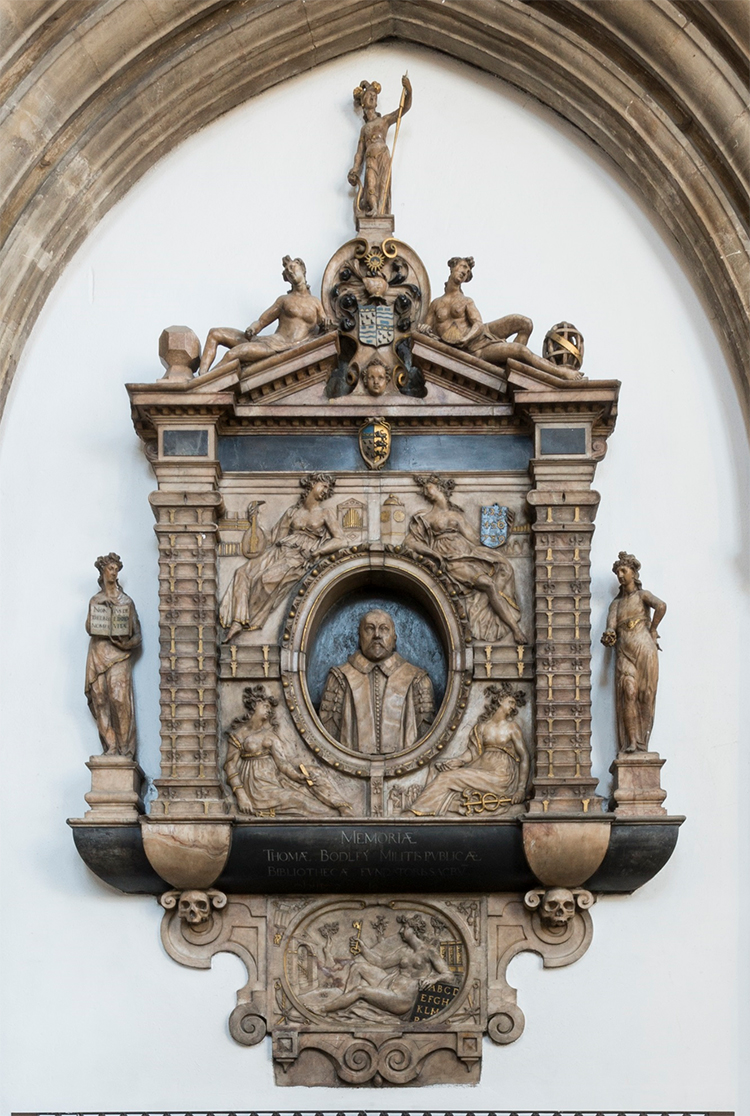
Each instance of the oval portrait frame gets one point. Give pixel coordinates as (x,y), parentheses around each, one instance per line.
(376,567)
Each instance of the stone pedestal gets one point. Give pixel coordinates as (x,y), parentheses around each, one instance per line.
(637,789)
(115,794)
(376,229)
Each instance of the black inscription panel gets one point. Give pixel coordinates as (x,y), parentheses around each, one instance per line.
(281,857)
(263,453)
(637,851)
(562,440)
(185,443)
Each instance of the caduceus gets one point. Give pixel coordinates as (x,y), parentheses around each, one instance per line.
(354,945)
(373,188)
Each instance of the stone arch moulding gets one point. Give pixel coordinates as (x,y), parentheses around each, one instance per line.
(93,94)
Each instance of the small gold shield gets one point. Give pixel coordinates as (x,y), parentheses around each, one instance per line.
(375,443)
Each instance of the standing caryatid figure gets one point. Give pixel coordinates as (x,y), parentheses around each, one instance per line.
(115,632)
(633,631)
(374,186)
(377,701)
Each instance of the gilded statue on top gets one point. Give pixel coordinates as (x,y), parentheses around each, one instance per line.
(633,631)
(491,775)
(444,534)
(454,319)
(300,316)
(305,533)
(115,631)
(371,171)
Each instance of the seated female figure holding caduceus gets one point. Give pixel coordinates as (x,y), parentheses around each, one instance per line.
(492,773)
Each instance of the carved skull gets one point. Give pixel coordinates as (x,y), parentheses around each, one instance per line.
(194,907)
(557,910)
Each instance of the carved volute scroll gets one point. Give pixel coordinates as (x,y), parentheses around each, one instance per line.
(374,535)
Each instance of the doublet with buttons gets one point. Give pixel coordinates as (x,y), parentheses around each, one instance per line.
(377,707)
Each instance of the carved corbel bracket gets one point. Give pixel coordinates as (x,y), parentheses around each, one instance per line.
(555,924)
(369,990)
(199,924)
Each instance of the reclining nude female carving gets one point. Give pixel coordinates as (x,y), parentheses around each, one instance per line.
(390,974)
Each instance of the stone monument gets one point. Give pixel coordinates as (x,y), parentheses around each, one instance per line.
(374,532)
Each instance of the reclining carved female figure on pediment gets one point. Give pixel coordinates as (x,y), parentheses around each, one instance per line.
(300,316)
(454,319)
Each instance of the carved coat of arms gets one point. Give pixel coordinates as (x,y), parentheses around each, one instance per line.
(376,325)
(494,525)
(375,443)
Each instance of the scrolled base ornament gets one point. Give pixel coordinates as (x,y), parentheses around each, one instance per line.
(359,1062)
(507,1025)
(246,1027)
(410,1059)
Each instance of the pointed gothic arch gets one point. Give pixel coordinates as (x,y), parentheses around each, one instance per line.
(94,93)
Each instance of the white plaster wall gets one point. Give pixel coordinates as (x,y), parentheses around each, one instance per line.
(96,1016)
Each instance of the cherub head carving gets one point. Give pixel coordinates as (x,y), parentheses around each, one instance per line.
(375,377)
